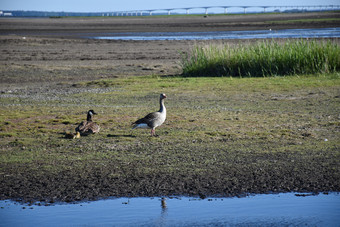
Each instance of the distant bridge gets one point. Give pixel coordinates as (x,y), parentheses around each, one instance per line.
(226,9)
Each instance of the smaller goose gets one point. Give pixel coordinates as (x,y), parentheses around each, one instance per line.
(153,120)
(88,127)
(69,135)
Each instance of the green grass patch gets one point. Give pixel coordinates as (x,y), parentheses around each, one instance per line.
(263,59)
(220,128)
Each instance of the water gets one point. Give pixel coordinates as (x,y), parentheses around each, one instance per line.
(258,34)
(260,210)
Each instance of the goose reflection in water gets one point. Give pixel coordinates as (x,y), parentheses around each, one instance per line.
(163,204)
(162,220)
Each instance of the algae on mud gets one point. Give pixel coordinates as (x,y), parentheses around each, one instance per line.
(222,137)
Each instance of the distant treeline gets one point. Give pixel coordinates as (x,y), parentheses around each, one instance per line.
(52,14)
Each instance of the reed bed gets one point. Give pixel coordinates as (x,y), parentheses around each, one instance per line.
(267,58)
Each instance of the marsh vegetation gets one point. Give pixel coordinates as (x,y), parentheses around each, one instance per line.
(267,58)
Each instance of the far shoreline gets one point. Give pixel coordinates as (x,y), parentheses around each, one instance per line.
(77,27)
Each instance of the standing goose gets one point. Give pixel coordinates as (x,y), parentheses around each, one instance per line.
(88,127)
(153,120)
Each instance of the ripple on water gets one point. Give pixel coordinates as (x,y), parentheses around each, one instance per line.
(258,34)
(286,209)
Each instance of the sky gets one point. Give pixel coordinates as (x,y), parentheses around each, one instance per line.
(126,5)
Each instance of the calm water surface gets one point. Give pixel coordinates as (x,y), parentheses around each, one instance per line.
(258,34)
(260,210)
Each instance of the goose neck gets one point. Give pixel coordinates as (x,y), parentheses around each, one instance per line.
(89,117)
(162,106)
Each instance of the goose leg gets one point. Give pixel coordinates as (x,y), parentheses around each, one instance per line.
(153,132)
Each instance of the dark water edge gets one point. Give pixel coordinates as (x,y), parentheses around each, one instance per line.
(258,34)
(285,209)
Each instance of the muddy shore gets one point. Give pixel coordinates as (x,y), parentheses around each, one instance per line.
(46,58)
(79,27)
(42,48)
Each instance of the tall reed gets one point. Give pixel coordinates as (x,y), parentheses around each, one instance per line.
(263,59)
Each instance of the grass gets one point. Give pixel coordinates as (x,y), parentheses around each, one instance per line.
(207,110)
(263,59)
(222,135)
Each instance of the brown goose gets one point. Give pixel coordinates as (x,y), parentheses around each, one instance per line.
(153,120)
(69,135)
(88,127)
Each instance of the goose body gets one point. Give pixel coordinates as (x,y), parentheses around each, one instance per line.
(153,120)
(88,127)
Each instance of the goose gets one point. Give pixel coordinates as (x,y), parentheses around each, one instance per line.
(88,127)
(69,135)
(153,120)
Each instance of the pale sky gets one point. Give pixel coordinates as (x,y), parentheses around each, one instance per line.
(121,5)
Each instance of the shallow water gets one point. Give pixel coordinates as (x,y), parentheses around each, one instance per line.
(258,34)
(260,210)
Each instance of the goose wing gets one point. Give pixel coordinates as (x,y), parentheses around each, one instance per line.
(148,119)
(87,127)
(81,127)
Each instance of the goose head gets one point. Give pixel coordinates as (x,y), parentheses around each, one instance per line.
(163,96)
(91,112)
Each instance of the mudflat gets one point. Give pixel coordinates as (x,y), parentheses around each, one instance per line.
(77,27)
(43,45)
(222,137)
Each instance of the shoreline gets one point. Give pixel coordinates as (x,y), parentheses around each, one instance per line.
(76,27)
(52,78)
